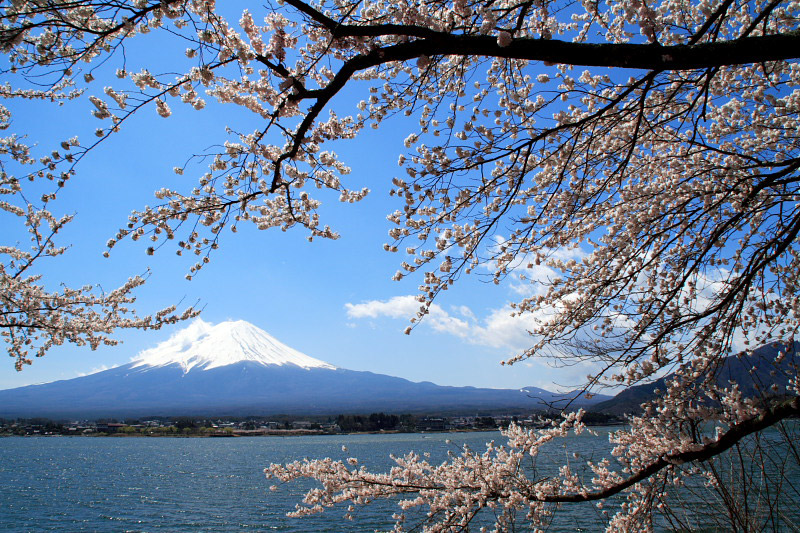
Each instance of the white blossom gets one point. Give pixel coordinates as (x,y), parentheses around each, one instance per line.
(649,203)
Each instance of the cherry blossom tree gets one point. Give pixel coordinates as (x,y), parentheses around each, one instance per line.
(33,317)
(634,161)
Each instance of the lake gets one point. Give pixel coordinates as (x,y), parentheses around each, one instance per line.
(207,484)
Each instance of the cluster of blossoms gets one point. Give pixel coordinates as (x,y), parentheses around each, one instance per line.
(507,484)
(635,162)
(49,52)
(451,493)
(33,319)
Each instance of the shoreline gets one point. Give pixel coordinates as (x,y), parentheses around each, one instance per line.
(272,433)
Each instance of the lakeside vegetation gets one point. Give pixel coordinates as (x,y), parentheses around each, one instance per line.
(279,425)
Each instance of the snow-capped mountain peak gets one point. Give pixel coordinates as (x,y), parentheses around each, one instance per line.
(205,346)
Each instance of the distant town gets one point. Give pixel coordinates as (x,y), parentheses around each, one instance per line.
(279,425)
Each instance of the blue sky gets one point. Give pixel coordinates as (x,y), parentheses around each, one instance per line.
(333,300)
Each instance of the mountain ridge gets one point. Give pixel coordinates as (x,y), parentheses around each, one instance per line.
(205,346)
(204,370)
(753,372)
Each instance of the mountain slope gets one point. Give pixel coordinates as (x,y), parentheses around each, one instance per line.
(236,369)
(204,346)
(753,373)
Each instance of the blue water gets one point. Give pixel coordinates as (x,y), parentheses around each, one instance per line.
(194,484)
(185,484)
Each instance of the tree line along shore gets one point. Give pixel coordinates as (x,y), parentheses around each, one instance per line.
(284,425)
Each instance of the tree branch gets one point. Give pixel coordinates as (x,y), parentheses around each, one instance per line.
(624,55)
(728,439)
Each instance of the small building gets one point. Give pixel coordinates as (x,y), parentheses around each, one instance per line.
(109,428)
(433,424)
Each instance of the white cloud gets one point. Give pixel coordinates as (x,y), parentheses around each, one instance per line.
(497,330)
(397,307)
(536,275)
(464,311)
(509,334)
(407,307)
(100,368)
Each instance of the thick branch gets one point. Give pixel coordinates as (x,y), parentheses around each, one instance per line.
(640,56)
(725,442)
(651,57)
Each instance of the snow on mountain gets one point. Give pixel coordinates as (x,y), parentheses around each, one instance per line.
(205,346)
(236,369)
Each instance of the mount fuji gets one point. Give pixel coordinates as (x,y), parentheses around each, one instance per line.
(205,347)
(236,369)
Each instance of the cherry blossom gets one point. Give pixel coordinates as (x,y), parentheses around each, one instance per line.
(33,318)
(643,153)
